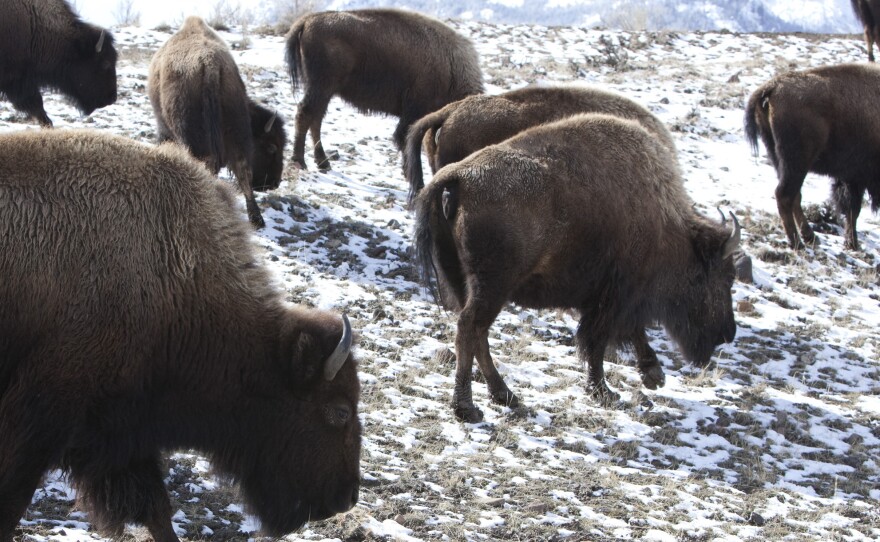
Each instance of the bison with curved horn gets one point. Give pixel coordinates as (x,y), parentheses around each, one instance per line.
(868,13)
(823,120)
(44,44)
(465,126)
(137,318)
(587,213)
(388,61)
(200,100)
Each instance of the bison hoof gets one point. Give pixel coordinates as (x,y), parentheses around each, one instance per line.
(653,377)
(506,398)
(298,164)
(468,413)
(808,236)
(602,394)
(324,166)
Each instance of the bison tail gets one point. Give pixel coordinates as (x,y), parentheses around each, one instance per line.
(292,53)
(434,246)
(412,152)
(212,118)
(756,121)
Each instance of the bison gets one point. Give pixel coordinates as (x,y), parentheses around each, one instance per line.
(44,44)
(379,60)
(867,12)
(200,100)
(586,213)
(475,122)
(824,120)
(136,317)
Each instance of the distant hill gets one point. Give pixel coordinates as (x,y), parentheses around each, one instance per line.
(822,16)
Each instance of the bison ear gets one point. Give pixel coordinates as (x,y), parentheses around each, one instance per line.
(316,354)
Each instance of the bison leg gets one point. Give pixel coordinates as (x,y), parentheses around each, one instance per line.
(869,42)
(31,102)
(787,198)
(472,339)
(29,437)
(806,230)
(849,196)
(498,390)
(309,117)
(242,170)
(135,494)
(647,363)
(321,158)
(591,348)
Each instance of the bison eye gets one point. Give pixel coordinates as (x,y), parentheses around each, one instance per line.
(272,149)
(337,414)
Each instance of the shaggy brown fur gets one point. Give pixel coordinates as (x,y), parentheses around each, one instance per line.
(824,120)
(199,100)
(44,44)
(465,126)
(137,318)
(868,13)
(379,60)
(586,213)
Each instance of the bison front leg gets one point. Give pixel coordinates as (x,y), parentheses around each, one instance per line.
(29,436)
(849,194)
(647,362)
(31,102)
(134,494)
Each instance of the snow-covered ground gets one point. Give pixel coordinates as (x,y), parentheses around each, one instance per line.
(779,439)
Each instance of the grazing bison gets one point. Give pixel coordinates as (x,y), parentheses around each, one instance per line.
(587,213)
(379,60)
(44,44)
(868,12)
(200,100)
(475,122)
(824,120)
(136,318)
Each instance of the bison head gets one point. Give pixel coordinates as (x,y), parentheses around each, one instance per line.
(705,318)
(300,458)
(269,139)
(90,72)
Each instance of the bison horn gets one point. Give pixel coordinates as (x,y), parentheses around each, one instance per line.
(723,218)
(732,243)
(100,44)
(437,136)
(271,121)
(338,357)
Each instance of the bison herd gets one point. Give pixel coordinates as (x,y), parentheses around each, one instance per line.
(136,317)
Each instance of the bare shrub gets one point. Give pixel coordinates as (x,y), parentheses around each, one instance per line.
(125,14)
(224,15)
(282,13)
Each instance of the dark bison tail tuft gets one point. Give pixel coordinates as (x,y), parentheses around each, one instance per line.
(434,247)
(753,125)
(292,53)
(412,152)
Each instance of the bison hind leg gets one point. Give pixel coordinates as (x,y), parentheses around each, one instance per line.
(134,493)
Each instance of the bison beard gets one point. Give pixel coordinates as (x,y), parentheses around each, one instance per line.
(587,213)
(135,318)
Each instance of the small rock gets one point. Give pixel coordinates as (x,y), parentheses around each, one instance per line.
(743,264)
(756,519)
(496,502)
(537,507)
